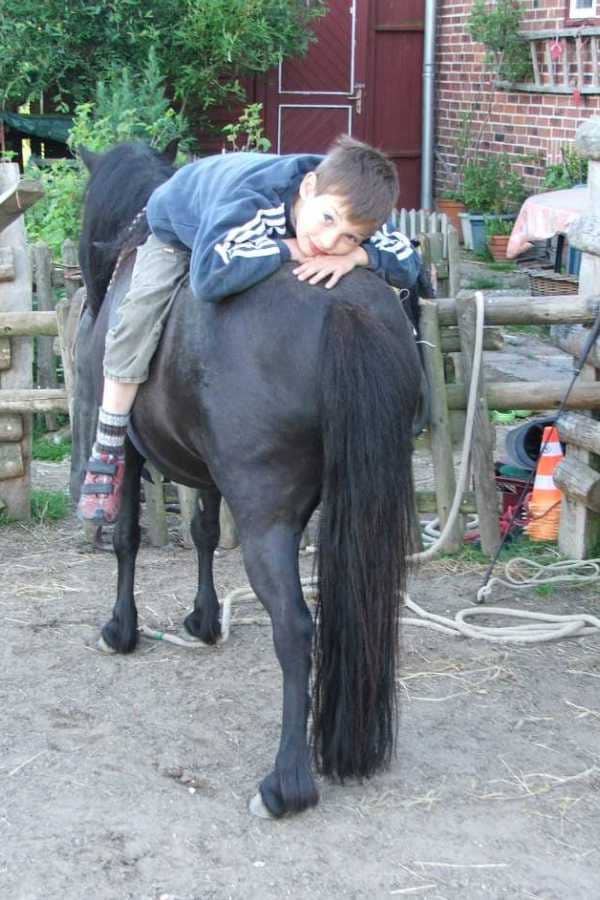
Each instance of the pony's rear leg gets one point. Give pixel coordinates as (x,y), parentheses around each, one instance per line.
(120,633)
(203,622)
(272,565)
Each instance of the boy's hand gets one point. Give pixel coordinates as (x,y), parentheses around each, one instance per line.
(317,268)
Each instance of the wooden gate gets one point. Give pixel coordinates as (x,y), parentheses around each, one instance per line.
(362,77)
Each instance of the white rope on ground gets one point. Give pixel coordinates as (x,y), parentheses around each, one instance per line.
(430,531)
(542,627)
(520,573)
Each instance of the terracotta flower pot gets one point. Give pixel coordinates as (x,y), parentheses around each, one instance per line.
(452,208)
(497,245)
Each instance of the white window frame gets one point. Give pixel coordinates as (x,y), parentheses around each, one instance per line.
(589,13)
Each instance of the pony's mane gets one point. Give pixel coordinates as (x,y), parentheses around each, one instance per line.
(120,184)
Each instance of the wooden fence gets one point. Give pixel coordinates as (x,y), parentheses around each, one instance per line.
(447,330)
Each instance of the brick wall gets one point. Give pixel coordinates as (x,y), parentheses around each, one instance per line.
(512,122)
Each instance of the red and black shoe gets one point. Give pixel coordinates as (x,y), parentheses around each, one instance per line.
(102,489)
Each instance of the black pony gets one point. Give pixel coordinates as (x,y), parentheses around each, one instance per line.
(285,396)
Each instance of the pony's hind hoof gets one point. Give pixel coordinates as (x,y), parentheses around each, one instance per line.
(258,808)
(104,647)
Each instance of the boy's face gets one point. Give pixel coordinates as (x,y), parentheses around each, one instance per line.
(322,223)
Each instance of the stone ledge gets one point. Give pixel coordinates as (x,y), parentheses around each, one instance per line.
(587,139)
(584,234)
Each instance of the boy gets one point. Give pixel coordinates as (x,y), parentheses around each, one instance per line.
(242,215)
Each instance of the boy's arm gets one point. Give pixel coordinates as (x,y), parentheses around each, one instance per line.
(392,257)
(239,244)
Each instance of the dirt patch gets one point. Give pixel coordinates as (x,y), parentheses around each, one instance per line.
(129,777)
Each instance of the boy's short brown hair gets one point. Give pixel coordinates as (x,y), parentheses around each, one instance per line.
(363,176)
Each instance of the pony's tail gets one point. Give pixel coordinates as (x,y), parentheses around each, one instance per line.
(369,386)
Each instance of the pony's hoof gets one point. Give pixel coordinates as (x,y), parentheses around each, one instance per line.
(104,647)
(258,808)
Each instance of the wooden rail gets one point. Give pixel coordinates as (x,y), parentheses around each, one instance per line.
(568,309)
(28,324)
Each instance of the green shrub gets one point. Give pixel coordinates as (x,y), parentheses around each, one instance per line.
(44,448)
(124,109)
(247,132)
(497,26)
(497,226)
(491,185)
(570,171)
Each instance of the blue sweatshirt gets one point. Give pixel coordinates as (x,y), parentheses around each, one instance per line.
(233,211)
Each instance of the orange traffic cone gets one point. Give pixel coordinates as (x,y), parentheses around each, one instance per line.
(544,503)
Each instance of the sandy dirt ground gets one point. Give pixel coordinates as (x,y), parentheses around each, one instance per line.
(129,777)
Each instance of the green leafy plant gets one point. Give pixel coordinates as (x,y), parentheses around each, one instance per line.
(127,108)
(58,215)
(49,506)
(124,109)
(491,185)
(483,284)
(46,506)
(497,26)
(571,170)
(48,450)
(247,132)
(495,226)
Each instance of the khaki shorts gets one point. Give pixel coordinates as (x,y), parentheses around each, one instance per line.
(131,342)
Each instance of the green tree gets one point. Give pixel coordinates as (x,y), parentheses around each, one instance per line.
(497,26)
(123,109)
(61,48)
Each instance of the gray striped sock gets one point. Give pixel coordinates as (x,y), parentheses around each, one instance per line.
(111,432)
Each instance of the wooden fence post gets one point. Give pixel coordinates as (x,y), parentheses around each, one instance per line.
(441,442)
(15,458)
(46,367)
(482,453)
(579,535)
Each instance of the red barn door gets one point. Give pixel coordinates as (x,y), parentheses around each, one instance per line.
(362,77)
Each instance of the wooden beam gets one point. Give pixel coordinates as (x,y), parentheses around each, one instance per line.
(579,430)
(11,428)
(12,464)
(530,395)
(18,198)
(572,340)
(534,62)
(530,87)
(550,35)
(579,481)
(7,264)
(493,339)
(551,310)
(32,401)
(28,324)
(5,354)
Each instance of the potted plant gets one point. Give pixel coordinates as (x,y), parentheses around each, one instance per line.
(570,172)
(498,231)
(491,188)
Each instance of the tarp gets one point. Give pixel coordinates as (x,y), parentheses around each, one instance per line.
(54,127)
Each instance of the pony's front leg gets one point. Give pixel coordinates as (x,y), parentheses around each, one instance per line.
(120,633)
(272,565)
